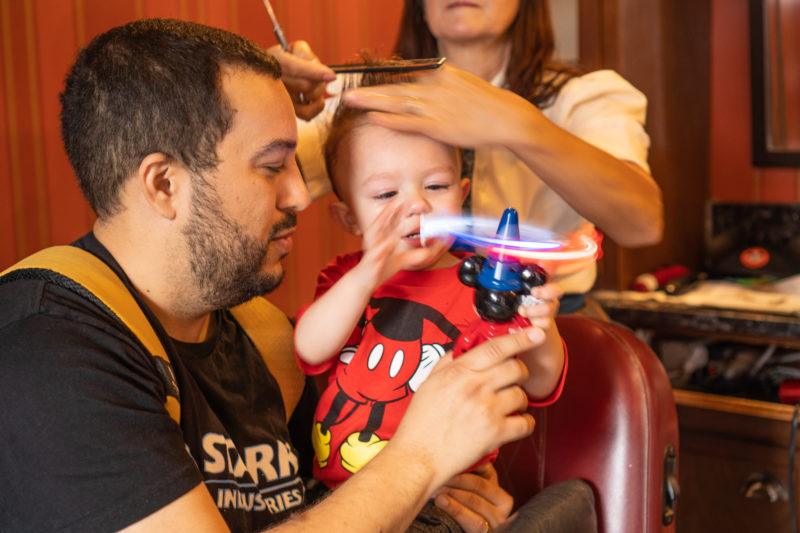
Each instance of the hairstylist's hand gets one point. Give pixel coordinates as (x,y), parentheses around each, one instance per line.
(304,77)
(476,500)
(468,407)
(449,105)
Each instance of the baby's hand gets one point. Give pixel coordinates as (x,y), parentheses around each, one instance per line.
(543,306)
(380,241)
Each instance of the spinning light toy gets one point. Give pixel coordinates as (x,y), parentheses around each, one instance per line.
(500,281)
(529,243)
(505,272)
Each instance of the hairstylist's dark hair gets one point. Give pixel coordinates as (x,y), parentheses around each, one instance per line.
(149,86)
(532,73)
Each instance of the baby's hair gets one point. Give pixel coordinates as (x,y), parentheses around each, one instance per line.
(345,118)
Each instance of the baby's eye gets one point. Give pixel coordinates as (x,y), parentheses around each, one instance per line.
(385,195)
(439,186)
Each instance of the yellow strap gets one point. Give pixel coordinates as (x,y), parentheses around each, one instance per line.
(272,335)
(96,277)
(265,324)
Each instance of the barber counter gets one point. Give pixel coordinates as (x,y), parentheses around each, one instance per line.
(729,366)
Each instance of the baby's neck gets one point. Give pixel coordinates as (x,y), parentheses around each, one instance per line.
(446,261)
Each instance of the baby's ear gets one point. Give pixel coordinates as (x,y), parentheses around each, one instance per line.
(341,213)
(466,184)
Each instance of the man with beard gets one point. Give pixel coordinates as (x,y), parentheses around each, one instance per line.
(183,141)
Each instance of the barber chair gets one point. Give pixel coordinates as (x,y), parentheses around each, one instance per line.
(614,427)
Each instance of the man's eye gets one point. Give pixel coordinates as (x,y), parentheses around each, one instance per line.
(385,195)
(272,169)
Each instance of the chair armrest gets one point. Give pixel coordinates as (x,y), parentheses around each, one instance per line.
(567,506)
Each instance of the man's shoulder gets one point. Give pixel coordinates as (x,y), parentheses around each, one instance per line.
(58,314)
(82,382)
(46,294)
(49,311)
(26,298)
(21,299)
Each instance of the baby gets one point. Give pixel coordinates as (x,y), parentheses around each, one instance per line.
(383,317)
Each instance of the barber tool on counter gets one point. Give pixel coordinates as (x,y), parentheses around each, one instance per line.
(672,279)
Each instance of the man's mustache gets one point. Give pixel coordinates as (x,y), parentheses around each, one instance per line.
(289,221)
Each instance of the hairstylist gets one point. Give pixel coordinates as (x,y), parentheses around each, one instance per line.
(564,149)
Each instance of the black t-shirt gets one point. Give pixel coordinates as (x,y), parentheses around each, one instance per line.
(87,444)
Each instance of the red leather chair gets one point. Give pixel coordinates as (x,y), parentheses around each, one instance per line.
(615,427)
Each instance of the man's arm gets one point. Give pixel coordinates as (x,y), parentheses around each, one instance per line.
(466,408)
(194,511)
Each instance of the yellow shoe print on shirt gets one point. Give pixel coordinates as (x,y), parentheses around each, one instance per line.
(321,441)
(356,453)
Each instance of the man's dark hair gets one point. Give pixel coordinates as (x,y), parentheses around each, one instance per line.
(152,85)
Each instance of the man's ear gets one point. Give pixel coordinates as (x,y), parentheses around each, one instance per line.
(162,183)
(342,214)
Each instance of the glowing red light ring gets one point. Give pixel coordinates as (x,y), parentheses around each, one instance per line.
(535,244)
(581,247)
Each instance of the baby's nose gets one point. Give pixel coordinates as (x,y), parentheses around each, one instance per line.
(418,205)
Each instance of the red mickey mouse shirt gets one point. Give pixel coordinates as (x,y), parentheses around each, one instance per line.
(408,325)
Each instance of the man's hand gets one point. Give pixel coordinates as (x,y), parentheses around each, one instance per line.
(469,406)
(475,500)
(466,408)
(304,77)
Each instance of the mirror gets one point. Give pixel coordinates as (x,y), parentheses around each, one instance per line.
(775,82)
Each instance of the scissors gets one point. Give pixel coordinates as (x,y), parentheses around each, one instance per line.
(397,65)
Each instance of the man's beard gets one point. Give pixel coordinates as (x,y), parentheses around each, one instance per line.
(225,261)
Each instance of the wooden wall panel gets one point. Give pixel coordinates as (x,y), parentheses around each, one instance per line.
(790,51)
(23,114)
(96,16)
(160,9)
(8,240)
(69,215)
(667,59)
(732,178)
(778,185)
(732,175)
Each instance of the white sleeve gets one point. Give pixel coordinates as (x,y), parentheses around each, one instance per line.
(311,137)
(605,110)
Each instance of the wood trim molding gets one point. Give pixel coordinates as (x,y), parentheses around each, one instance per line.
(730,404)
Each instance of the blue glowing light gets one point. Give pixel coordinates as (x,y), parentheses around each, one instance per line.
(533,244)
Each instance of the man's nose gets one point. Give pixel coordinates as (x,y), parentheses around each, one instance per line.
(293,194)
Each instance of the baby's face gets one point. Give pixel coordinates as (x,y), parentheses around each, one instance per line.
(391,166)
